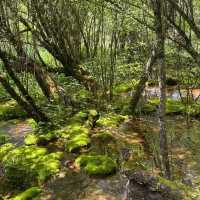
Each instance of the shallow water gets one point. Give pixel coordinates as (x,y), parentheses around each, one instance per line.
(172,92)
(16,130)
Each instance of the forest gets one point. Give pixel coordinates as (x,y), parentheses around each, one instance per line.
(99,100)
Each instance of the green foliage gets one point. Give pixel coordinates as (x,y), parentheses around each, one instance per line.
(10,110)
(111,120)
(29,194)
(172,106)
(30,164)
(79,117)
(125,87)
(97,165)
(104,137)
(4,138)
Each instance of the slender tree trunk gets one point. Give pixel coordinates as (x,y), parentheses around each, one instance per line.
(160,34)
(143,79)
(24,92)
(25,106)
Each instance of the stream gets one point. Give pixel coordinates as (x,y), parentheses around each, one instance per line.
(172,92)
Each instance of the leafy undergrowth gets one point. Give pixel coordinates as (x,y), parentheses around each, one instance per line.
(11,110)
(111,120)
(172,107)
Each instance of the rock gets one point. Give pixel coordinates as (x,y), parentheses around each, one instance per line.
(145,186)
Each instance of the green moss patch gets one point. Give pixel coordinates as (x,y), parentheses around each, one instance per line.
(29,194)
(30,164)
(77,135)
(111,120)
(4,149)
(125,87)
(41,139)
(32,123)
(97,165)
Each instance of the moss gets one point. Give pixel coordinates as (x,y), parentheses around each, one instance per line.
(111,120)
(77,141)
(4,149)
(42,139)
(32,123)
(124,87)
(31,139)
(29,164)
(97,165)
(78,136)
(11,110)
(29,194)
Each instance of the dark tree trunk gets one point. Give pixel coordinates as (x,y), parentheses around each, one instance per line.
(24,92)
(25,106)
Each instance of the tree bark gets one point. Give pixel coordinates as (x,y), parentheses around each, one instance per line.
(159,6)
(143,79)
(35,110)
(24,105)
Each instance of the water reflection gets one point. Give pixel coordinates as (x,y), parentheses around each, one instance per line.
(173,92)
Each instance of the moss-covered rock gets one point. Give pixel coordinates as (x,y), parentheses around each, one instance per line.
(78,136)
(97,165)
(31,139)
(4,149)
(32,123)
(30,164)
(111,120)
(29,194)
(40,139)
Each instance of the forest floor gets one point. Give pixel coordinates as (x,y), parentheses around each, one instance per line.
(71,183)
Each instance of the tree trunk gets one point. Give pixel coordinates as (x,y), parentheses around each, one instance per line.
(143,79)
(160,34)
(25,106)
(24,92)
